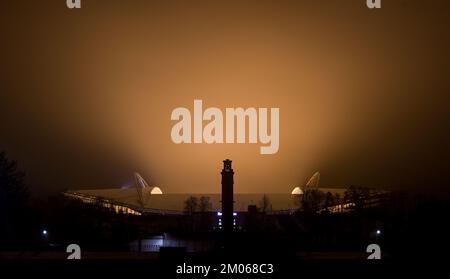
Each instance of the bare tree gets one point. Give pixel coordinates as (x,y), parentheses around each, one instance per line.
(191,204)
(265,204)
(205,204)
(312,200)
(13,197)
(338,201)
(357,195)
(328,201)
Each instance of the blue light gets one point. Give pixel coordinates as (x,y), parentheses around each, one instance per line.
(378,232)
(234,214)
(219,213)
(44,232)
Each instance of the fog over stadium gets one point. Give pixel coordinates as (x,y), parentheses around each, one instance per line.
(89,102)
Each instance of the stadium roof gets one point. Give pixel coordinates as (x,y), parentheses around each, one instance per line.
(141,197)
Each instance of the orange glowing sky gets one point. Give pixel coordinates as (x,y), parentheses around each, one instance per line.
(363,95)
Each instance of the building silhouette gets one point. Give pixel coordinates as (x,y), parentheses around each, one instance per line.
(227,196)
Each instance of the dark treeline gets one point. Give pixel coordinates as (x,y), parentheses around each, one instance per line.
(404,224)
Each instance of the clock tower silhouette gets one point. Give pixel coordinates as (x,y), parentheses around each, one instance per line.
(227,196)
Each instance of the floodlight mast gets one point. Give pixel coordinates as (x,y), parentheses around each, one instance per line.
(140,183)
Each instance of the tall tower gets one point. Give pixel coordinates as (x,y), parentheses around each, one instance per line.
(227,196)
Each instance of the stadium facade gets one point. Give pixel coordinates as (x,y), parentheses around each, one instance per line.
(141,198)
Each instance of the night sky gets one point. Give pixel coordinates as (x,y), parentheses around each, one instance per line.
(86,95)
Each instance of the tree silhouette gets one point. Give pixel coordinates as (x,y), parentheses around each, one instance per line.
(337,198)
(312,200)
(265,203)
(338,201)
(205,204)
(357,195)
(329,200)
(13,196)
(191,204)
